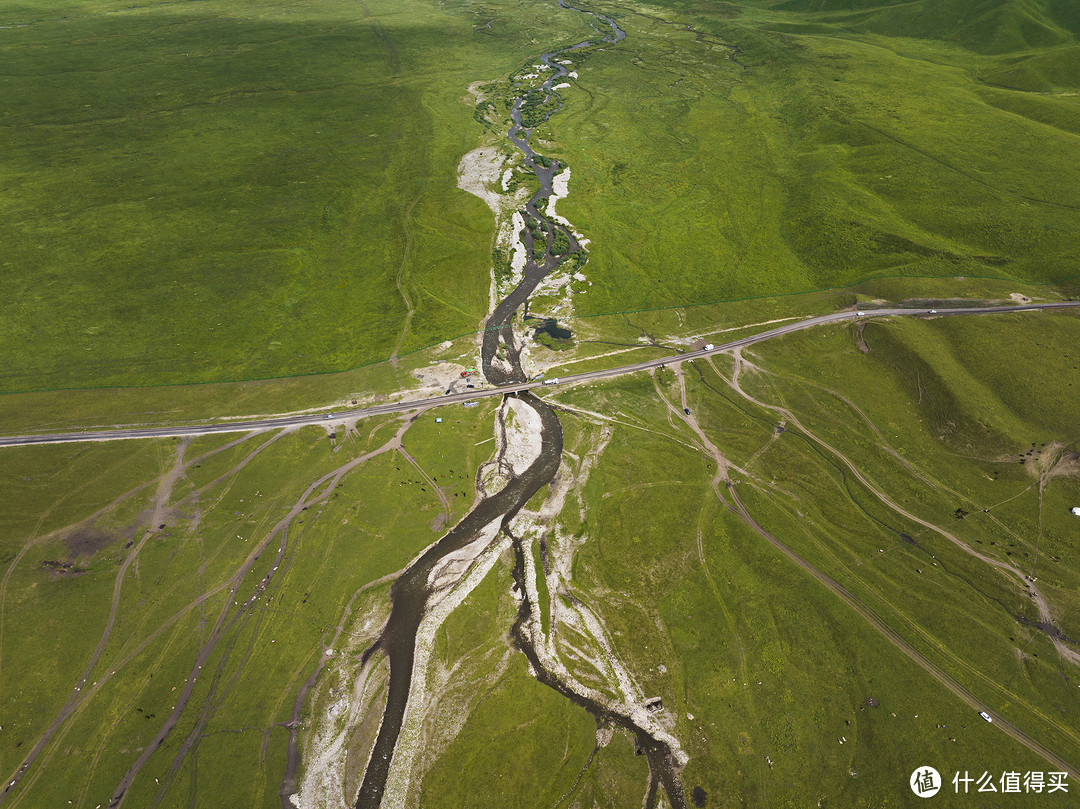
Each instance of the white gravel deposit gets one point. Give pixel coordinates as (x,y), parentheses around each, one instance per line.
(524,436)
(478,171)
(411,736)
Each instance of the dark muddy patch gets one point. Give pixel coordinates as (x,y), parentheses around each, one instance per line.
(860,340)
(62,570)
(88,541)
(1045,627)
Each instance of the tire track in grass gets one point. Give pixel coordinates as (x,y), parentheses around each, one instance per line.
(868,615)
(160,501)
(439,493)
(883,499)
(316,493)
(36,538)
(901,644)
(198,602)
(81,698)
(410,310)
(723,465)
(1037,597)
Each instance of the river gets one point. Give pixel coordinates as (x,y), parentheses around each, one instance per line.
(501,364)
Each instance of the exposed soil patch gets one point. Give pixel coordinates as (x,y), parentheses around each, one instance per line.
(861,341)
(1049,461)
(439,376)
(60,569)
(478,171)
(1047,627)
(88,541)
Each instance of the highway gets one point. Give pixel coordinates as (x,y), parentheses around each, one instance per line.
(279,422)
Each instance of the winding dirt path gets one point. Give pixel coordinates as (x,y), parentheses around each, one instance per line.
(900,643)
(160,503)
(83,692)
(316,493)
(736,506)
(1040,601)
(410,310)
(439,493)
(86,694)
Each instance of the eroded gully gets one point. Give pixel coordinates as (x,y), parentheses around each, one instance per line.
(501,363)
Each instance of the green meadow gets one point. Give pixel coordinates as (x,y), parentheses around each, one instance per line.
(218,209)
(767,149)
(779,691)
(81,540)
(776,688)
(235,194)
(774,669)
(229,191)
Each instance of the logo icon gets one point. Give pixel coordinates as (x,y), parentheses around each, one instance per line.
(925,782)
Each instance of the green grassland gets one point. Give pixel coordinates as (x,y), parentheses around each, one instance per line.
(198,193)
(299,159)
(768,662)
(993,399)
(735,612)
(243,210)
(221,191)
(234,493)
(483,765)
(774,670)
(815,155)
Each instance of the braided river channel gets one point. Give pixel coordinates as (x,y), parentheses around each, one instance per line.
(411,593)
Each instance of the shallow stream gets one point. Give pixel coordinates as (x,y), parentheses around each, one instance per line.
(410,594)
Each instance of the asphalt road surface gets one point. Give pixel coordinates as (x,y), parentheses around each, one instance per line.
(278,422)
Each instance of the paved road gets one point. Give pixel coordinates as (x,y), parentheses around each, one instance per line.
(277,422)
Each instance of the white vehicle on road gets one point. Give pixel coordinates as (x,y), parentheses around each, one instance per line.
(986,716)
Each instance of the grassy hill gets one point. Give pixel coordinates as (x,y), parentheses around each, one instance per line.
(1036,40)
(763,148)
(988,26)
(221,190)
